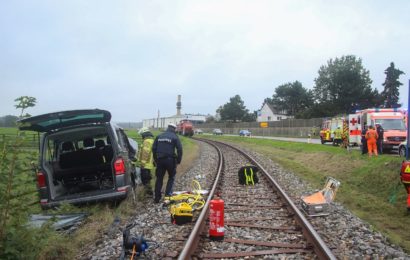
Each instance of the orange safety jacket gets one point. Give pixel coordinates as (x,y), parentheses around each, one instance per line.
(371,134)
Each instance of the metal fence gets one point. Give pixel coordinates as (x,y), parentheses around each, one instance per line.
(28,140)
(286,127)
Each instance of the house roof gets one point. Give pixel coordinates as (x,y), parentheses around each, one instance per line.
(274,111)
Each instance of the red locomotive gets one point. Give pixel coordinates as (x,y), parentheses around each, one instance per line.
(185,128)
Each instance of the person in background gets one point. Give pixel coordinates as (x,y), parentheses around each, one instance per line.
(364,141)
(380,133)
(145,159)
(337,139)
(166,159)
(371,137)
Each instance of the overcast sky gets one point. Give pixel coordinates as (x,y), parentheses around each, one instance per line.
(134,57)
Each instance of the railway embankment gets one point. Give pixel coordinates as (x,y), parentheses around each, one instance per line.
(370,187)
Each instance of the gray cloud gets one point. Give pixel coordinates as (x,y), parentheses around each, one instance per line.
(134,57)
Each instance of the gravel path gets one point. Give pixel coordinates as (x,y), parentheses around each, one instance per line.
(346,235)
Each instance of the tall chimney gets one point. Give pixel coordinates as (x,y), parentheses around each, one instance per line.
(179,105)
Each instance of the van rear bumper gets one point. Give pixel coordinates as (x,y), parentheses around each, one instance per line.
(116,195)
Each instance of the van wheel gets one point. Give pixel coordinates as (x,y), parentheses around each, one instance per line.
(402,151)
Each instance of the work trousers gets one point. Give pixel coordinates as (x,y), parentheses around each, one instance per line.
(380,146)
(145,176)
(407,187)
(372,147)
(167,164)
(364,146)
(337,141)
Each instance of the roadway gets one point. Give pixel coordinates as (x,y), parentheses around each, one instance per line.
(290,139)
(307,140)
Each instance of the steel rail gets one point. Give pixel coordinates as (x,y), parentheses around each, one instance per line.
(193,239)
(320,248)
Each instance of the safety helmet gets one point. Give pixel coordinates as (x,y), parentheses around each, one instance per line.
(143,130)
(172,125)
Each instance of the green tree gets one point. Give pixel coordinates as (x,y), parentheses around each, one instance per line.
(291,97)
(210,119)
(344,85)
(390,94)
(250,117)
(23,103)
(17,239)
(234,110)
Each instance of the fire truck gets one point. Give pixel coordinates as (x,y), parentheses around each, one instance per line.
(392,120)
(329,126)
(185,128)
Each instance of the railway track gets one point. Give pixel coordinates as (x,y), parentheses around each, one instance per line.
(260,220)
(345,234)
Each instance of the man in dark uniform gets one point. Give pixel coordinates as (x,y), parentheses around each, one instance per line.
(380,132)
(364,141)
(166,160)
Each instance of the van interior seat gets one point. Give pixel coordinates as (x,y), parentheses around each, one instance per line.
(88,143)
(80,163)
(67,146)
(99,144)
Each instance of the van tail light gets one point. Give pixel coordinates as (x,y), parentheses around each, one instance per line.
(122,189)
(41,180)
(119,166)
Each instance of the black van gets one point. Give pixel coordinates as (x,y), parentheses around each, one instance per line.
(83,157)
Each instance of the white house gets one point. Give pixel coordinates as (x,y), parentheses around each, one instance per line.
(268,114)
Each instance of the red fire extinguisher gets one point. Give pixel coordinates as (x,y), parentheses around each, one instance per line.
(216,219)
(405,179)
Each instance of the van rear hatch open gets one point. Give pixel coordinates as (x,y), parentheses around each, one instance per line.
(77,157)
(58,120)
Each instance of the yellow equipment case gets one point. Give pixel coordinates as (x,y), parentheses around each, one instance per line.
(181,213)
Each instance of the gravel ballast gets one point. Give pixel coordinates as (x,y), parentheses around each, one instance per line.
(346,235)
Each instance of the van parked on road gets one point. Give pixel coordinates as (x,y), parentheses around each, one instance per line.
(83,157)
(217,131)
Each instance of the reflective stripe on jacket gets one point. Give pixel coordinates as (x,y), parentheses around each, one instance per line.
(145,157)
(165,145)
(338,133)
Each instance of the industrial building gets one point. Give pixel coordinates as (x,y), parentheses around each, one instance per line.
(162,122)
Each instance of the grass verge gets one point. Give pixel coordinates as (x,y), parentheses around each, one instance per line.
(51,244)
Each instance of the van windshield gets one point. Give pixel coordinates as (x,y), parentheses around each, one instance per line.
(392,124)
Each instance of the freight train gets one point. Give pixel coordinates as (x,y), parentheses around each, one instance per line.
(185,128)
